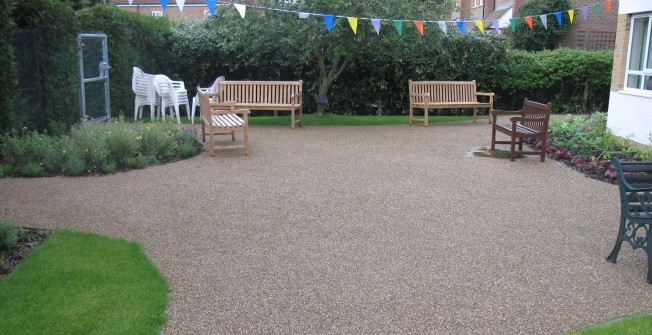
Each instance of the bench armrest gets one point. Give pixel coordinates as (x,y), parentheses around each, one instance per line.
(243,111)
(485,94)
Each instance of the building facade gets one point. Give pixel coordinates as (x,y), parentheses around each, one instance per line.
(193,10)
(630,99)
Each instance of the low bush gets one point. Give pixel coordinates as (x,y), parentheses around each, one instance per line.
(97,148)
(9,233)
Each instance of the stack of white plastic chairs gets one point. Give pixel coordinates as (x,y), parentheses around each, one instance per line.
(172,94)
(210,90)
(142,85)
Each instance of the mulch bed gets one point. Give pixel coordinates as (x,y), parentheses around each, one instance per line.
(27,241)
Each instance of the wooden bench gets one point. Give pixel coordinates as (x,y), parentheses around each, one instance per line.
(215,120)
(446,94)
(263,95)
(635,185)
(530,122)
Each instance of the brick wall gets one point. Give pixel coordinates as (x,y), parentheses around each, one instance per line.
(620,53)
(597,32)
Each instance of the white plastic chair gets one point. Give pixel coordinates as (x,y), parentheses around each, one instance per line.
(172,94)
(141,84)
(195,100)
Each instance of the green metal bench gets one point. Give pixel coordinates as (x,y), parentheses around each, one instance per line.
(635,184)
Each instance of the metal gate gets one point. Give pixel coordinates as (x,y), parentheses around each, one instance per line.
(94,68)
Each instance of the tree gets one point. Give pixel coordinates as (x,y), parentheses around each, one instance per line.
(539,38)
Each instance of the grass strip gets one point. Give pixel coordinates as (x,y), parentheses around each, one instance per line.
(633,325)
(82,283)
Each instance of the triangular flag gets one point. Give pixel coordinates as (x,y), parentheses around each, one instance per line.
(558,16)
(544,20)
(419,25)
(241,9)
(585,12)
(399,26)
(480,26)
(328,19)
(164,4)
(442,26)
(376,24)
(512,23)
(596,7)
(353,22)
(571,14)
(496,24)
(303,15)
(130,2)
(608,4)
(180,4)
(212,5)
(528,20)
(460,25)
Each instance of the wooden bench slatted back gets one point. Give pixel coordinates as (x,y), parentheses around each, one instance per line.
(530,122)
(635,186)
(445,94)
(264,95)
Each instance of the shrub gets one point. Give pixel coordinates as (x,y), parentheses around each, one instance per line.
(9,233)
(540,38)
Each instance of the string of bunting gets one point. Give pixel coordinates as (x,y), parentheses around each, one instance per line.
(419,24)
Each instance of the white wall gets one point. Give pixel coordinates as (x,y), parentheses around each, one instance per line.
(630,116)
(634,6)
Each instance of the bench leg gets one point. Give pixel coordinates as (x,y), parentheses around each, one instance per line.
(613,256)
(292,119)
(512,148)
(543,149)
(425,117)
(211,137)
(475,114)
(411,115)
(493,138)
(246,140)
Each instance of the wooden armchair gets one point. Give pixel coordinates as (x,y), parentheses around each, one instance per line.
(530,122)
(215,120)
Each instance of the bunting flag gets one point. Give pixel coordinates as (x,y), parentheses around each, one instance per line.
(571,14)
(241,9)
(419,25)
(480,26)
(512,23)
(460,25)
(596,7)
(399,26)
(496,25)
(303,15)
(528,20)
(353,22)
(442,26)
(608,5)
(558,16)
(130,2)
(180,4)
(376,24)
(585,12)
(212,5)
(328,19)
(544,20)
(164,4)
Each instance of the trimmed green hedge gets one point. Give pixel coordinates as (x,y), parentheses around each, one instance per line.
(8,66)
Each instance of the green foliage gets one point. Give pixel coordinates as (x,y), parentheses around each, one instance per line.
(8,66)
(133,40)
(83,283)
(57,54)
(9,233)
(590,137)
(539,38)
(573,80)
(632,325)
(94,148)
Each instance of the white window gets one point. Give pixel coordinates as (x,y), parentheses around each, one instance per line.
(477,3)
(157,13)
(639,63)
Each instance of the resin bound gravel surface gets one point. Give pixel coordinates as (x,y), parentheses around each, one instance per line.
(361,230)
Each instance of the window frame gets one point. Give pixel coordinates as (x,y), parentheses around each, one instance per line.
(646,71)
(157,13)
(478,3)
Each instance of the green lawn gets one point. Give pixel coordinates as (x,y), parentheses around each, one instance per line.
(633,325)
(81,283)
